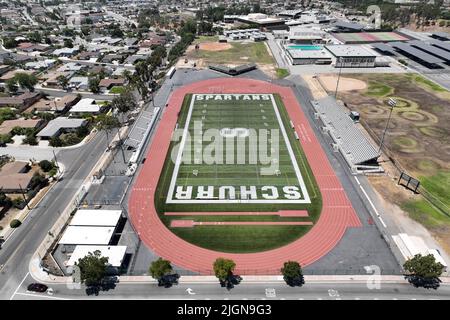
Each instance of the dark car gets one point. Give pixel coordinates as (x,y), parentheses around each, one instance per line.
(37,287)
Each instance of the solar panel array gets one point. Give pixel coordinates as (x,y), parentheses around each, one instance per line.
(428,58)
(441,44)
(431,49)
(353,143)
(383,47)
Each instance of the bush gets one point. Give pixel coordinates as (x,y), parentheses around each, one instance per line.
(15,223)
(56,142)
(18,203)
(46,165)
(30,139)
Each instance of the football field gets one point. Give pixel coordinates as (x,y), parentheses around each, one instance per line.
(235,149)
(234,153)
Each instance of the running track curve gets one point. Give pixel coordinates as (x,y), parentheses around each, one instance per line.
(337,212)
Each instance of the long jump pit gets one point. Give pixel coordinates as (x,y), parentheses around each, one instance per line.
(201,195)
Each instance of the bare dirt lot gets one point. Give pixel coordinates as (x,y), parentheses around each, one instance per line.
(215,46)
(418,139)
(345,84)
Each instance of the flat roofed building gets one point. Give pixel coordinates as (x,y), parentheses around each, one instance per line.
(86,105)
(115,254)
(75,235)
(352,56)
(60,125)
(105,218)
(302,57)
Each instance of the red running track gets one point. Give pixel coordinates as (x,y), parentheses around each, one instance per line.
(337,213)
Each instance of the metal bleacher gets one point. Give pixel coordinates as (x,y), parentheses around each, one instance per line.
(357,150)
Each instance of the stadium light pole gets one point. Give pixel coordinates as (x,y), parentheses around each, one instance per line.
(339,77)
(392,103)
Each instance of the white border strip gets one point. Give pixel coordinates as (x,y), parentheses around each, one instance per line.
(169,199)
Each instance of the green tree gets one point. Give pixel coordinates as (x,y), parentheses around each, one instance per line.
(223,269)
(62,81)
(56,142)
(423,271)
(125,102)
(92,268)
(68,43)
(292,273)
(94,84)
(11,85)
(159,268)
(46,165)
(25,80)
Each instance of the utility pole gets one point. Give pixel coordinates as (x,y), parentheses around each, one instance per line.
(339,77)
(24,198)
(56,162)
(392,103)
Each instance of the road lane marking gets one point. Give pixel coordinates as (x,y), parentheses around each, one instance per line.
(370,202)
(40,296)
(17,289)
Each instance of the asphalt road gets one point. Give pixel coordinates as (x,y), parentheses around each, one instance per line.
(244,291)
(18,249)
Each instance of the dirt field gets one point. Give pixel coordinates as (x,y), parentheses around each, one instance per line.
(418,138)
(215,46)
(345,84)
(419,131)
(231,53)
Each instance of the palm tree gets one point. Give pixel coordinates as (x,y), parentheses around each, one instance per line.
(107,123)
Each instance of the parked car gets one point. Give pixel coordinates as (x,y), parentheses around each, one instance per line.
(37,287)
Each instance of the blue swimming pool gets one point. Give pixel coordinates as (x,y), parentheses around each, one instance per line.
(305,47)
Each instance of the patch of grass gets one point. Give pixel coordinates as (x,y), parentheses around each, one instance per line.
(202,39)
(282,73)
(117,90)
(255,52)
(428,83)
(423,212)
(241,239)
(378,89)
(238,239)
(438,185)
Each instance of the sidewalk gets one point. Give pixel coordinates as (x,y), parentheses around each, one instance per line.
(39,275)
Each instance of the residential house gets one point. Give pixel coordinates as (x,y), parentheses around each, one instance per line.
(71,66)
(7,125)
(107,84)
(41,64)
(79,83)
(20,102)
(66,52)
(57,105)
(60,125)
(15,177)
(87,105)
